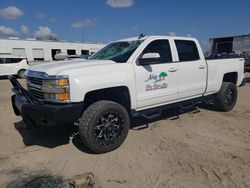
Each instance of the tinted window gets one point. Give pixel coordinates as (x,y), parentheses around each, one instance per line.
(1,60)
(187,50)
(162,47)
(13,60)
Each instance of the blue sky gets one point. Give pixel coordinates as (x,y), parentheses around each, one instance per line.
(107,20)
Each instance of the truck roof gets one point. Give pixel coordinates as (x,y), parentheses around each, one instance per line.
(156,37)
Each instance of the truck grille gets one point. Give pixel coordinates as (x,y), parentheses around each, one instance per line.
(34,80)
(35,87)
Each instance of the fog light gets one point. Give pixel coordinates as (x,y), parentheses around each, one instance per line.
(63,96)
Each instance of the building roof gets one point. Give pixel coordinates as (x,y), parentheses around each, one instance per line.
(35,40)
(245,35)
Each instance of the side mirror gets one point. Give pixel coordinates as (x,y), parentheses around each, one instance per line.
(149,58)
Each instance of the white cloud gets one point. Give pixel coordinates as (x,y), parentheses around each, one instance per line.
(120,3)
(41,15)
(11,13)
(7,31)
(24,29)
(52,19)
(88,22)
(44,33)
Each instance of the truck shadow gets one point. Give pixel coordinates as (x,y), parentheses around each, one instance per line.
(247,79)
(3,78)
(51,137)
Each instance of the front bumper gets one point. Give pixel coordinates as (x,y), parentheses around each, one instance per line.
(37,113)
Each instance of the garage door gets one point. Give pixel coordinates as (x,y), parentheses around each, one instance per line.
(19,52)
(38,53)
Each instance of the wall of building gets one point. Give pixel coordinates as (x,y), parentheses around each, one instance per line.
(7,46)
(241,45)
(235,44)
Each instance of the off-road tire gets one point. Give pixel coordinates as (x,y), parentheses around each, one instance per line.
(21,74)
(89,123)
(226,98)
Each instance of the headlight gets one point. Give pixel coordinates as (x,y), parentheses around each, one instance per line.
(56,90)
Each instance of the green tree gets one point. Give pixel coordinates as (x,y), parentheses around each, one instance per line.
(163,75)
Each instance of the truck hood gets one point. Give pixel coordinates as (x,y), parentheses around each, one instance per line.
(54,68)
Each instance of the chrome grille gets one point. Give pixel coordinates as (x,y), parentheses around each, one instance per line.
(35,87)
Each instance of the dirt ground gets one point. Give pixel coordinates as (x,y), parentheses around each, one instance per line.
(204,149)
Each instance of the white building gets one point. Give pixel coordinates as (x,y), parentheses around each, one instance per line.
(37,50)
(239,44)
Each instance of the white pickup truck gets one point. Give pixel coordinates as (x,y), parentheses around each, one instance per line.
(130,77)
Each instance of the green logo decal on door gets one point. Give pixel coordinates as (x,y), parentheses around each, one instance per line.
(163,75)
(155,82)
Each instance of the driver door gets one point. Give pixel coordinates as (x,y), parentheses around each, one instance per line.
(156,82)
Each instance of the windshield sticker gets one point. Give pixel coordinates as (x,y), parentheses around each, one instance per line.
(155,82)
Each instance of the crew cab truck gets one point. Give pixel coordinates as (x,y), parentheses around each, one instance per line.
(130,77)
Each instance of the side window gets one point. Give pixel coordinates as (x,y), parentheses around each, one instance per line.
(187,50)
(13,60)
(18,60)
(2,61)
(162,47)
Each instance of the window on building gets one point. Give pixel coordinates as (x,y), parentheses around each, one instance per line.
(54,52)
(85,52)
(71,52)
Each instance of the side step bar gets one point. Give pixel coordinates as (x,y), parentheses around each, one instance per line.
(157,112)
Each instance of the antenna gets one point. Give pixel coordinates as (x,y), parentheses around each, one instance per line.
(141,36)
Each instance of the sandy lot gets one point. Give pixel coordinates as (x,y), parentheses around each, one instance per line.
(204,149)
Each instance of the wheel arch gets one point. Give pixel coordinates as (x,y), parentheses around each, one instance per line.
(119,94)
(230,77)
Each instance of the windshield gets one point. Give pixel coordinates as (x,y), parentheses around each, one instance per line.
(117,51)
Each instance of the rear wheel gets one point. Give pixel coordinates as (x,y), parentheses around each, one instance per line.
(104,126)
(227,96)
(21,73)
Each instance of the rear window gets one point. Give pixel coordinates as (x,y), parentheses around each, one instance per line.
(187,50)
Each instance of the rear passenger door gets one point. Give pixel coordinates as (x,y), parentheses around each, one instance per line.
(192,69)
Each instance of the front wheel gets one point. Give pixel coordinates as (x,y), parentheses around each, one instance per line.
(227,96)
(104,126)
(21,73)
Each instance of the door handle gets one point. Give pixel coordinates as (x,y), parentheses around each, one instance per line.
(201,67)
(172,69)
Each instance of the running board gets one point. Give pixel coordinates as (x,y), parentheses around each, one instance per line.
(157,112)
(152,115)
(187,107)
